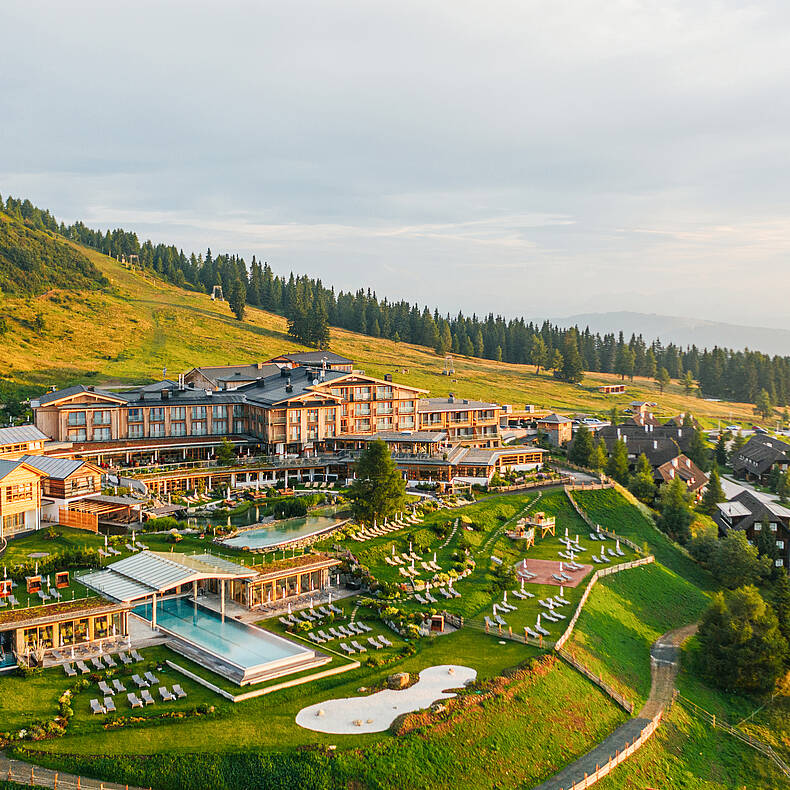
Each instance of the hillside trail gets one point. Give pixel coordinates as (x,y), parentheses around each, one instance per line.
(664,667)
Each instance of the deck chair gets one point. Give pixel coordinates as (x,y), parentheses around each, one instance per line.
(178,691)
(346,649)
(165,694)
(360,648)
(151,678)
(97,707)
(69,670)
(147,698)
(135,655)
(105,689)
(139,682)
(110,661)
(118,686)
(109,704)
(373,643)
(134,700)
(384,641)
(97,664)
(83,667)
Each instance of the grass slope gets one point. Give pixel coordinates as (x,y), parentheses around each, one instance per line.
(624,615)
(141,325)
(611,509)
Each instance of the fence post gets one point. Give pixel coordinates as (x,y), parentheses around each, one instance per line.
(55,783)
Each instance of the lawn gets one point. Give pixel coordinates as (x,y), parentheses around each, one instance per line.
(557,711)
(609,508)
(623,616)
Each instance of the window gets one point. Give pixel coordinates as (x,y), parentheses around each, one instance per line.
(779,563)
(772,525)
(407,422)
(178,412)
(312,415)
(135,415)
(294,417)
(406,407)
(198,412)
(219,426)
(383,424)
(238,410)
(219,412)
(329,415)
(101,434)
(363,408)
(136,431)
(329,431)
(758,527)
(238,426)
(361,393)
(101,417)
(19,493)
(156,414)
(780,544)
(362,425)
(198,427)
(294,434)
(383,393)
(178,428)
(76,418)
(79,435)
(157,429)
(384,408)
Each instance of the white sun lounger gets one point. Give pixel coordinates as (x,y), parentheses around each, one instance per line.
(178,691)
(97,707)
(373,643)
(69,670)
(109,704)
(550,617)
(166,695)
(541,630)
(134,700)
(364,626)
(139,682)
(384,641)
(135,655)
(83,667)
(346,649)
(118,686)
(147,698)
(532,633)
(420,599)
(358,647)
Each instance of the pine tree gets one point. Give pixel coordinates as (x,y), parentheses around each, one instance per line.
(379,489)
(617,465)
(676,515)
(538,353)
(662,379)
(571,369)
(582,447)
(556,361)
(688,383)
(697,450)
(598,456)
(782,604)
(763,405)
(641,484)
(720,453)
(714,493)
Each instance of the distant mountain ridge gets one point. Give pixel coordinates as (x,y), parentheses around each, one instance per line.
(683,331)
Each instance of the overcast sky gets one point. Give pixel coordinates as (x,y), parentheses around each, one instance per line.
(535,158)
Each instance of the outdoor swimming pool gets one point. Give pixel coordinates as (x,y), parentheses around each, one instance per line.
(252,651)
(278,532)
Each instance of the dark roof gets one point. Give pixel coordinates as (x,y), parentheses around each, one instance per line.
(454,404)
(22,433)
(315,358)
(268,392)
(747,509)
(231,373)
(557,419)
(759,454)
(6,467)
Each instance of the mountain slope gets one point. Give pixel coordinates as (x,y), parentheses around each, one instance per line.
(684,331)
(139,325)
(32,261)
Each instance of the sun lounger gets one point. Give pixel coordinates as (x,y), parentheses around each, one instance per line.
(345,630)
(430,598)
(69,670)
(620,552)
(445,593)
(83,667)
(166,695)
(550,617)
(178,691)
(384,641)
(603,558)
(131,548)
(388,560)
(364,626)
(593,536)
(489,622)
(325,636)
(103,553)
(335,634)
(596,559)
(113,550)
(611,553)
(532,633)
(97,664)
(336,609)
(541,630)
(118,686)
(134,700)
(151,678)
(147,698)
(97,707)
(135,655)
(557,577)
(558,615)
(55,593)
(109,704)
(456,594)
(284,622)
(139,682)
(313,637)
(12,600)
(141,546)
(420,599)
(354,627)
(110,661)
(105,689)
(324,611)
(373,643)
(44,596)
(360,648)
(346,649)
(500,621)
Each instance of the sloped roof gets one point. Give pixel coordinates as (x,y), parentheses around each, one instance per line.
(21,433)
(75,389)
(684,468)
(556,419)
(57,468)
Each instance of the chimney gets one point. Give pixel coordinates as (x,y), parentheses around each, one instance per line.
(655,444)
(688,463)
(671,474)
(91,388)
(388,377)
(451,398)
(259,365)
(53,388)
(675,462)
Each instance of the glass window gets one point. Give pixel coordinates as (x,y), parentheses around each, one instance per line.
(238,410)
(157,429)
(101,434)
(779,563)
(178,429)
(136,431)
(773,526)
(780,544)
(79,435)
(178,412)
(219,412)
(219,426)
(76,418)
(758,527)
(238,426)
(198,427)
(198,412)
(101,417)
(135,415)
(157,414)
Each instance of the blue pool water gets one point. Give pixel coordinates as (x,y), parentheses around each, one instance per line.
(280,532)
(235,642)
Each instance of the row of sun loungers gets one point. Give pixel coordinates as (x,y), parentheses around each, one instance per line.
(145,698)
(367,533)
(96,661)
(376,642)
(340,632)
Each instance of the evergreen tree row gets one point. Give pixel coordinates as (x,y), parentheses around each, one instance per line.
(311,308)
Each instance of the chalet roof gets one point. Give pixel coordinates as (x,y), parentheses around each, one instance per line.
(751,509)
(75,389)
(760,453)
(6,467)
(683,467)
(268,392)
(404,437)
(56,468)
(22,433)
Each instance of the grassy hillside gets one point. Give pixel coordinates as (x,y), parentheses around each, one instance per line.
(142,325)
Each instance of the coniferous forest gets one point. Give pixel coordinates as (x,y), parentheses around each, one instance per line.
(311,307)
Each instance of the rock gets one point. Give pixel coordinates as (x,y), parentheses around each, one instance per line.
(399,680)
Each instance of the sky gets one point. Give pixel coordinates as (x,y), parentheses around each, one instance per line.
(526,158)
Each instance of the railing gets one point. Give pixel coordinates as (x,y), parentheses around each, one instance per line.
(624,703)
(744,737)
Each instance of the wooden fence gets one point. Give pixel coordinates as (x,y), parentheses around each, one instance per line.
(78,519)
(603,770)
(624,703)
(557,481)
(610,533)
(744,737)
(26,774)
(593,579)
